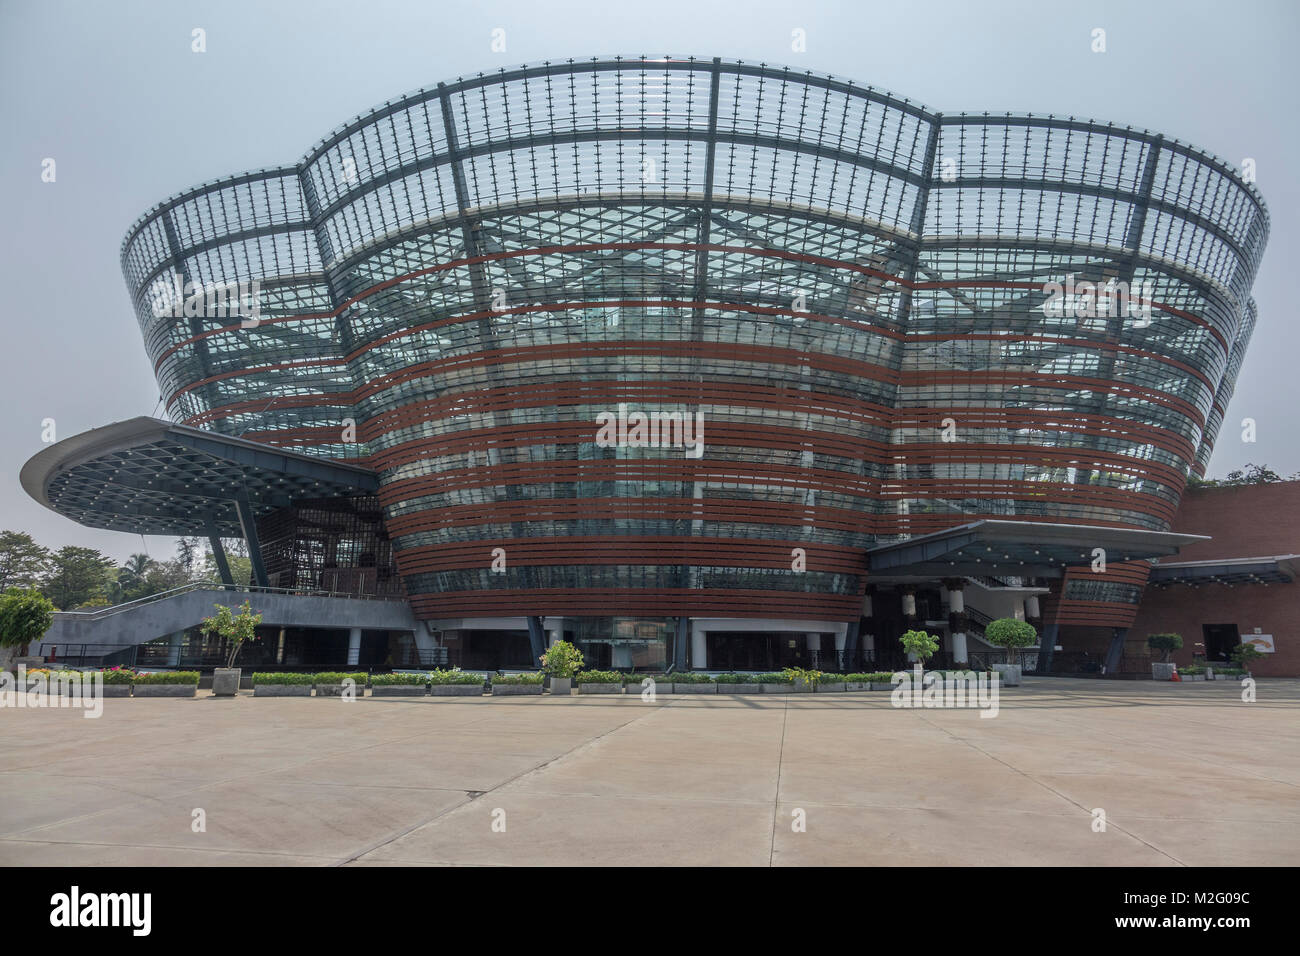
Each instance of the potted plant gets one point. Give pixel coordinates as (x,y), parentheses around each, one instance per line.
(399,685)
(455,683)
(1164,668)
(600,682)
(1013,634)
(280,684)
(560,662)
(235,628)
(514,685)
(165,684)
(856,682)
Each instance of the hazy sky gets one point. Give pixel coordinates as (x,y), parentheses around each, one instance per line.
(114,94)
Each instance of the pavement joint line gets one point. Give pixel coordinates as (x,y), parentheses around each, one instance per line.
(523,773)
(1051,789)
(776,798)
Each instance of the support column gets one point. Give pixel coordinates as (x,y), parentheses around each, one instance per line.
(536,639)
(553,637)
(957,620)
(1046,645)
(219,556)
(248,523)
(699,649)
(354,647)
(1031,607)
(1116,650)
(679,643)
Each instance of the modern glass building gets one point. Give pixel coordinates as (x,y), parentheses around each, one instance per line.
(896,366)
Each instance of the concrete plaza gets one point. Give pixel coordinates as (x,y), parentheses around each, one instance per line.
(1186,774)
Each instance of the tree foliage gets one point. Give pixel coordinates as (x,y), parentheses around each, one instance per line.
(25,615)
(1011,633)
(1165,642)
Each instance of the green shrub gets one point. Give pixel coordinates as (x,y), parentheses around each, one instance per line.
(1165,643)
(455,676)
(272,678)
(561,659)
(1011,633)
(338,677)
(689,677)
(881,677)
(773,677)
(811,678)
(118,675)
(399,680)
(536,678)
(599,677)
(167,677)
(1243,654)
(1192,670)
(737,678)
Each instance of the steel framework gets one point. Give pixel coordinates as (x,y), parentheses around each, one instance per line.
(854,290)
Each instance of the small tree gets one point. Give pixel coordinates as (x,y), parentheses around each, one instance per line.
(921,644)
(1011,633)
(1243,654)
(234,627)
(561,660)
(1167,643)
(25,615)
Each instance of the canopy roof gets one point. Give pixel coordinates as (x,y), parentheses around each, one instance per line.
(149,476)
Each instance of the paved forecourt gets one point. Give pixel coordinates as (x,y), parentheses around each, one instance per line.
(1185,774)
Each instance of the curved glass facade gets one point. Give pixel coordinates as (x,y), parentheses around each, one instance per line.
(888,320)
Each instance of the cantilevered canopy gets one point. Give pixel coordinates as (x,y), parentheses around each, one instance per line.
(148,476)
(1037,549)
(1279,569)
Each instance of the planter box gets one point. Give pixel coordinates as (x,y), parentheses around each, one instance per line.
(694,688)
(661,687)
(1192,677)
(740,688)
(516,690)
(225,681)
(600,688)
(1010,674)
(165,690)
(400,690)
(116,690)
(561,686)
(1162,671)
(801,687)
(775,688)
(835,687)
(876,685)
(282,690)
(854,685)
(455,690)
(336,690)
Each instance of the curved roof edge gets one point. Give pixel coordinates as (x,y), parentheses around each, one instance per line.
(84,457)
(681,62)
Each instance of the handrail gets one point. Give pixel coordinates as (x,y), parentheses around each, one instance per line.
(103,612)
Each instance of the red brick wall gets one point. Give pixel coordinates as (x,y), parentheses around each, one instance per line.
(1251,521)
